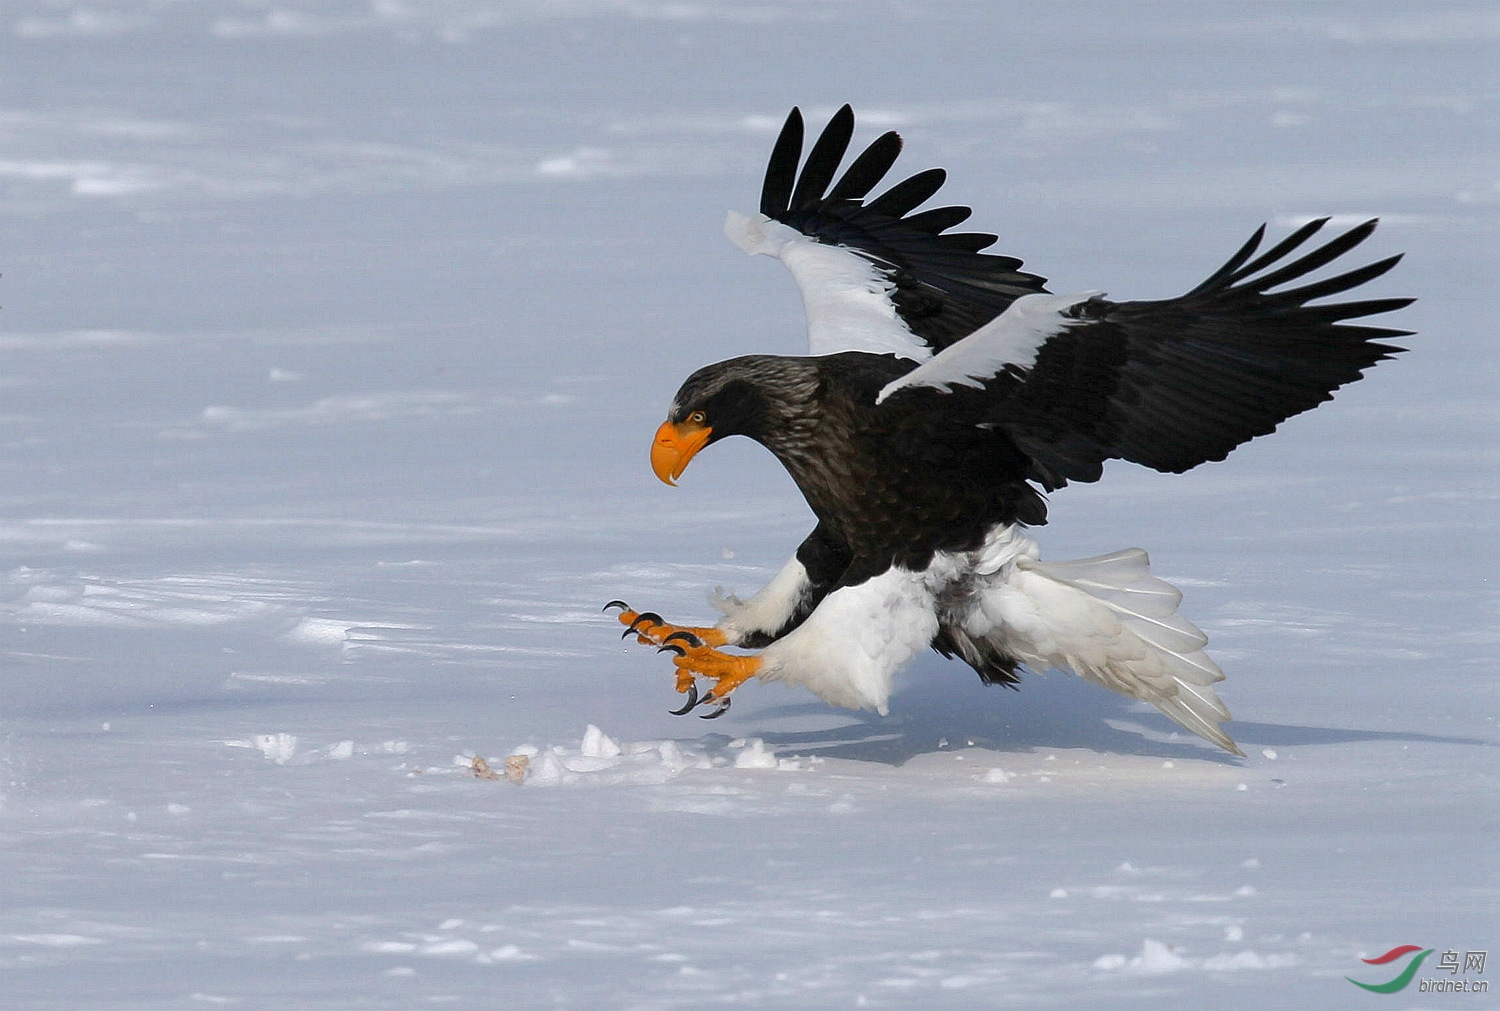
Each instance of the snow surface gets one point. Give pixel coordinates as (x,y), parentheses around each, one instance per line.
(334,335)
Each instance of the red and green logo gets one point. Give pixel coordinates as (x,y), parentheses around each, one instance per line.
(1403,977)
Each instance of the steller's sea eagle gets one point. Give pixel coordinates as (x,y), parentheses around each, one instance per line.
(944,392)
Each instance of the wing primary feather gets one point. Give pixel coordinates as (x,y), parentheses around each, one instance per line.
(1230,265)
(909,193)
(823,161)
(1326,253)
(868,169)
(973,242)
(1324,314)
(1311,261)
(1335,285)
(781,171)
(939,219)
(1277,251)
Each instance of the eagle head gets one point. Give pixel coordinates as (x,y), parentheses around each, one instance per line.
(759,396)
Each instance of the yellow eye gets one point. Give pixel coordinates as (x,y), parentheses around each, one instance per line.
(697,417)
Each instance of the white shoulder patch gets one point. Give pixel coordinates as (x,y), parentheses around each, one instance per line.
(1011,338)
(847,298)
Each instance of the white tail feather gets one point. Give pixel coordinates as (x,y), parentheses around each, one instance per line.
(1113,623)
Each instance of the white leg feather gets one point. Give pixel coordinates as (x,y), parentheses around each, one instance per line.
(768,610)
(850,647)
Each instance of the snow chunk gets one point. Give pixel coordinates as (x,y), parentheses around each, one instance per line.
(279,748)
(754,756)
(1156,958)
(320,632)
(597,744)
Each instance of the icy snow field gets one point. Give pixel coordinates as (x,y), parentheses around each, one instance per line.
(333,338)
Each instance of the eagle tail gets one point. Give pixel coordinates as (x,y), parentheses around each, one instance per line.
(1113,623)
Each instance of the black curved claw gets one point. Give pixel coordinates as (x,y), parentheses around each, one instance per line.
(617,603)
(648,616)
(672,648)
(721,708)
(692,700)
(686,636)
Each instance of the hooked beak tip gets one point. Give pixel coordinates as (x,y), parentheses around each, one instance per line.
(673,448)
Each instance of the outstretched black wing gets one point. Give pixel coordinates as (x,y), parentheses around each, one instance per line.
(1173,383)
(941,286)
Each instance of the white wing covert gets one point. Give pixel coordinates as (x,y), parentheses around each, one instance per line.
(874,276)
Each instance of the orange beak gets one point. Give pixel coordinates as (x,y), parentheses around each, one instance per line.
(674,446)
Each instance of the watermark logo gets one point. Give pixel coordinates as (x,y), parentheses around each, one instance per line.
(1447,960)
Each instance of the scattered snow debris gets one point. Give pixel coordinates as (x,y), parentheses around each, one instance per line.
(789,764)
(1247,960)
(482,769)
(394,747)
(942,742)
(998,775)
(178,809)
(510,953)
(1245,891)
(1058,893)
(1234,933)
(1250,864)
(516,767)
(341,751)
(527,751)
(844,805)
(1169,764)
(452,923)
(754,756)
(1243,786)
(54,940)
(454,947)
(320,632)
(1051,758)
(1127,868)
(400,970)
(279,748)
(1269,753)
(1156,958)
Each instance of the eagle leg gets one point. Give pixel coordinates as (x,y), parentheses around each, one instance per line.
(650,629)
